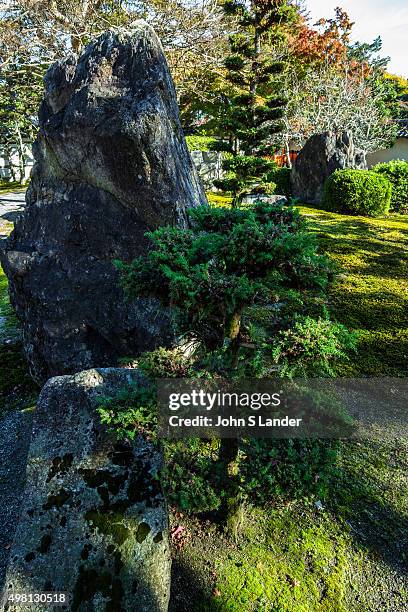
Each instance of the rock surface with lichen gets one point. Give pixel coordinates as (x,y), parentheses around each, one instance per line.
(93,521)
(111,163)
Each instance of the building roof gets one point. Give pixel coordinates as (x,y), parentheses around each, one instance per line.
(402,128)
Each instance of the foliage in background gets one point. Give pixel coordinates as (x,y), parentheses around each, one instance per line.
(328,81)
(335,85)
(250,115)
(35,34)
(396,171)
(324,99)
(358,192)
(21,90)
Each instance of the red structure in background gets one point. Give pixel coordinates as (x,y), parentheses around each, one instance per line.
(282,159)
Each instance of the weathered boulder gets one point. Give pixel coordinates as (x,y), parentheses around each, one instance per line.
(319,158)
(111,163)
(93,521)
(209,167)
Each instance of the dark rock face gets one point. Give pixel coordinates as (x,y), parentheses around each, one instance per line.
(93,521)
(111,164)
(319,158)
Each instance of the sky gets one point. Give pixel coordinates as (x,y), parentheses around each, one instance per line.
(387,18)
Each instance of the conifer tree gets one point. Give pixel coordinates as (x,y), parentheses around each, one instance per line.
(250,118)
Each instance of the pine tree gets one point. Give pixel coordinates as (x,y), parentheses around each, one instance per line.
(250,118)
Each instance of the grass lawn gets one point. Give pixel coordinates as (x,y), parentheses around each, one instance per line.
(349,552)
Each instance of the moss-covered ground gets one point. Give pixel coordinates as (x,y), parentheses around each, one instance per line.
(347,552)
(371,292)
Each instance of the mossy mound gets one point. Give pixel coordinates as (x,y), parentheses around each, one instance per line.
(370,295)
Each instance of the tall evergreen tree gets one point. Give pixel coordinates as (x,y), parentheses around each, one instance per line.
(250,117)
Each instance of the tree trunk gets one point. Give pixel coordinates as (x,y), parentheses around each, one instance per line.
(21,154)
(8,153)
(232,333)
(287,151)
(230,510)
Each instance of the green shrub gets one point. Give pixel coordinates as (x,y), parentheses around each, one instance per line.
(164,363)
(229,259)
(396,171)
(132,411)
(286,469)
(281,178)
(190,477)
(310,346)
(357,192)
(200,143)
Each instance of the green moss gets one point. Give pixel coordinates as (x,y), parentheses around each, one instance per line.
(219,200)
(11,187)
(371,292)
(285,561)
(110,524)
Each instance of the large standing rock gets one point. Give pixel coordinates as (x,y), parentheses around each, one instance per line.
(319,158)
(111,164)
(93,521)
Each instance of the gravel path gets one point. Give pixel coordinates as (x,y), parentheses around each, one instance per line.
(11,205)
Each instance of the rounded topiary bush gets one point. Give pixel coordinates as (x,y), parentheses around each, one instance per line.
(396,171)
(357,192)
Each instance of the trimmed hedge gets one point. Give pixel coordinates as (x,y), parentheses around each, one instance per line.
(357,192)
(396,171)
